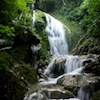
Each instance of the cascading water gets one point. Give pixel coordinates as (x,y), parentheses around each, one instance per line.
(61,62)
(56,36)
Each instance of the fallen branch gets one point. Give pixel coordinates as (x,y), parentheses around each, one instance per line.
(76,49)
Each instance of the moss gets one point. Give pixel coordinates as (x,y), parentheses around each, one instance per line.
(44,54)
(26,73)
(6,60)
(34,88)
(15,62)
(10,87)
(21,53)
(15,74)
(39,16)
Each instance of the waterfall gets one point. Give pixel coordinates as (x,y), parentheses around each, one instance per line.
(56,36)
(61,63)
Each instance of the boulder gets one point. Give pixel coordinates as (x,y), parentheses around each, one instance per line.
(91,63)
(47,93)
(74,82)
(56,67)
(58,94)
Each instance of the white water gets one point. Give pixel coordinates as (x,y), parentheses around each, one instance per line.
(67,63)
(33,17)
(83,95)
(56,36)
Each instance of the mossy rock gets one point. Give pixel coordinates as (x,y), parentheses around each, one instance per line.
(26,73)
(15,62)
(21,53)
(6,60)
(15,76)
(10,87)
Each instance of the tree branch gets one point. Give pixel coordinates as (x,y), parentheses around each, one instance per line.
(76,49)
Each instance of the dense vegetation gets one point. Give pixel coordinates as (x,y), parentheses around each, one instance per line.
(82,17)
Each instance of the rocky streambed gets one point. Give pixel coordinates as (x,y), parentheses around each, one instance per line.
(83,84)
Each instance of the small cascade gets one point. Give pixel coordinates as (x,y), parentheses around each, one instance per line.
(85,92)
(82,95)
(66,64)
(72,63)
(56,36)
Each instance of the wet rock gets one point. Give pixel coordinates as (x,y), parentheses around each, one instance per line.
(56,67)
(35,96)
(63,64)
(74,82)
(70,82)
(92,64)
(46,94)
(58,94)
(35,48)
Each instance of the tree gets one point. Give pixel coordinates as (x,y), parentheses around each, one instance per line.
(9,9)
(92,19)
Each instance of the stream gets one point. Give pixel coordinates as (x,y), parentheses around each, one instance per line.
(65,77)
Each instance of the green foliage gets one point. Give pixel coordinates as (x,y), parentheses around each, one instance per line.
(91,20)
(88,16)
(10,9)
(6,31)
(6,61)
(13,13)
(20,53)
